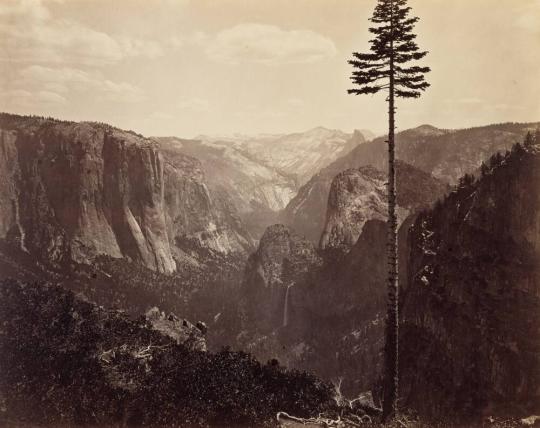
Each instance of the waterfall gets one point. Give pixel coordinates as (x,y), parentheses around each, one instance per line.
(286,307)
(16,215)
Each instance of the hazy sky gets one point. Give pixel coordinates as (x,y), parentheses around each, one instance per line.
(184,67)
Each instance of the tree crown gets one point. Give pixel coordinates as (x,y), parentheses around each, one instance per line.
(392,50)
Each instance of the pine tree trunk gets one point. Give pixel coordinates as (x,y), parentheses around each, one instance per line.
(391,375)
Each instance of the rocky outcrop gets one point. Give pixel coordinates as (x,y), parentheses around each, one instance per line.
(471,320)
(199,220)
(358,195)
(471,305)
(445,154)
(335,310)
(178,329)
(282,260)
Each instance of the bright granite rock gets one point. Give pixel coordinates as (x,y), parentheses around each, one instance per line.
(359,195)
(198,218)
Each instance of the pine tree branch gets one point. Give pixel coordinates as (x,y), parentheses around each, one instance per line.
(365,90)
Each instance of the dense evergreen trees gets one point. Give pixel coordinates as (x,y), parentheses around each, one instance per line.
(66,362)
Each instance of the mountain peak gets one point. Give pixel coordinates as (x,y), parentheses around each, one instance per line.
(366,134)
(321,131)
(427,129)
(318,129)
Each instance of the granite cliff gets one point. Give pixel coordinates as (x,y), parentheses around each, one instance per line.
(282,260)
(358,195)
(76,190)
(73,191)
(199,219)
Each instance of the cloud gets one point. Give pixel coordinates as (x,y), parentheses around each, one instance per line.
(529,22)
(176,3)
(31,10)
(482,104)
(528,16)
(159,115)
(29,33)
(465,101)
(25,100)
(268,44)
(296,103)
(47,97)
(507,107)
(194,104)
(198,39)
(44,86)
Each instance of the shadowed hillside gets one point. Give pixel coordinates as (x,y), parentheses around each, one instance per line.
(472,302)
(66,362)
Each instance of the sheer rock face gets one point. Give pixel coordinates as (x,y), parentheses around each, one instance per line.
(472,305)
(282,259)
(78,190)
(358,195)
(72,191)
(196,217)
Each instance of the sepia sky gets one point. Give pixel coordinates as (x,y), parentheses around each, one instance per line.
(185,67)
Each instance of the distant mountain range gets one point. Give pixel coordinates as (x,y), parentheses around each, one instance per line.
(446,154)
(261,174)
(71,191)
(300,154)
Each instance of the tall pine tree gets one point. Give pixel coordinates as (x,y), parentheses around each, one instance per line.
(388,67)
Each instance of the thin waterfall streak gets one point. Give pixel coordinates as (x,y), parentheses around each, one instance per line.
(286,307)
